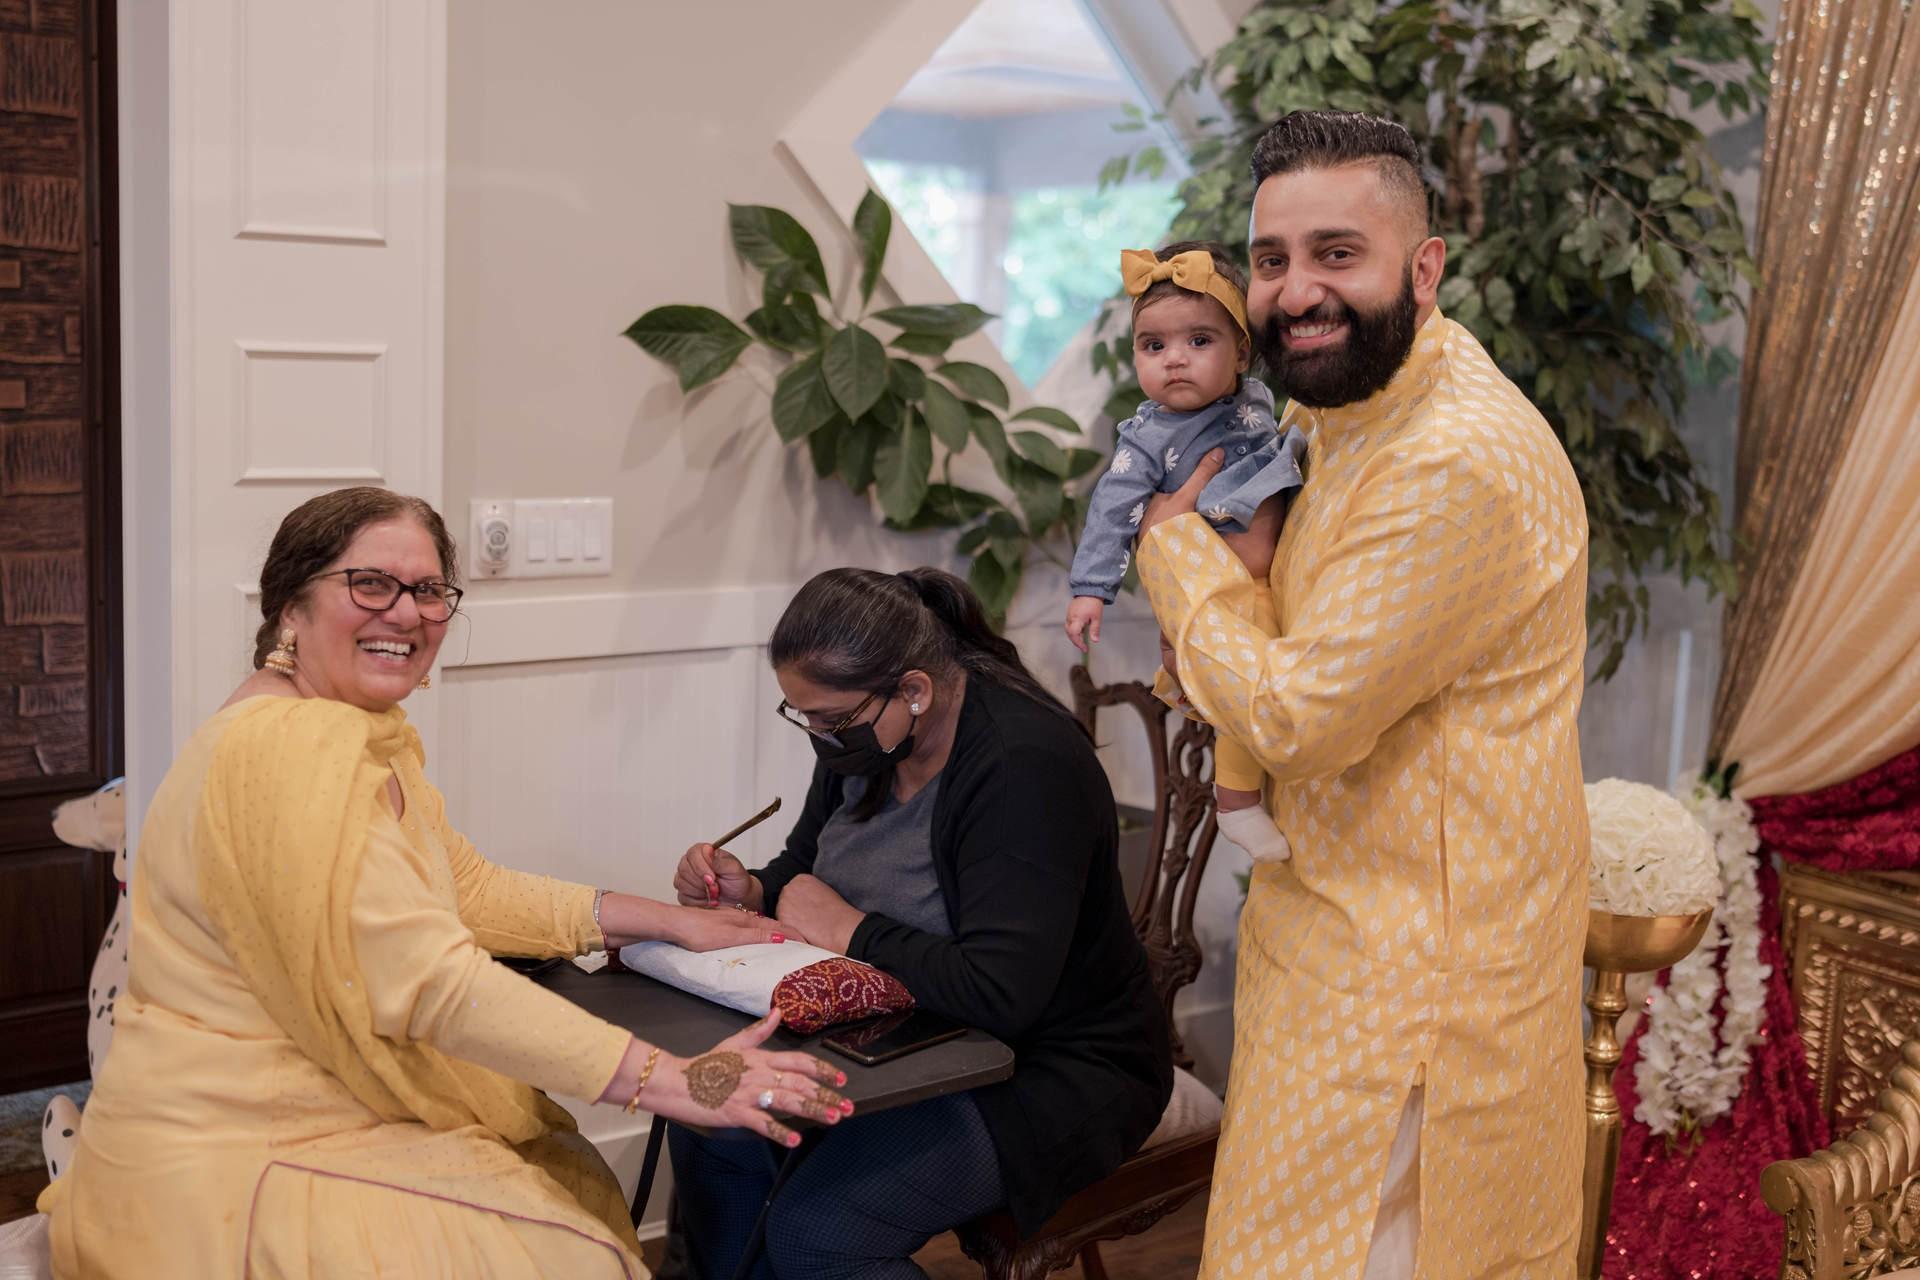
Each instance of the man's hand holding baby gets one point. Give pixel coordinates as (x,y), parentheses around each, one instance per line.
(1254,547)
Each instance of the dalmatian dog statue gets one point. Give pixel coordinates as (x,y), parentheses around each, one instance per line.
(98,821)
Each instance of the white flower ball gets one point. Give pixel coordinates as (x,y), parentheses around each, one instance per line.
(1650,856)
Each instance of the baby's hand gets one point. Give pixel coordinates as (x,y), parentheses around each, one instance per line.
(1083,618)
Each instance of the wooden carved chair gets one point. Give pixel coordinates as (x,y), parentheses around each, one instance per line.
(1853,1210)
(1176,1163)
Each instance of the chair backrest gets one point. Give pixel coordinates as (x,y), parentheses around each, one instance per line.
(1184,826)
(1853,1209)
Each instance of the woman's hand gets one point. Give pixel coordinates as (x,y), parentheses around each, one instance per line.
(710,877)
(709,929)
(828,920)
(724,1088)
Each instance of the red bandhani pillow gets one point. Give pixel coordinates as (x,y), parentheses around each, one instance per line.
(829,992)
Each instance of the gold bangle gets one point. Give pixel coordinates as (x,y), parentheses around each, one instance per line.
(646,1074)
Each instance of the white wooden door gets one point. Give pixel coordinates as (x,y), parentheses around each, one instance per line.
(308,187)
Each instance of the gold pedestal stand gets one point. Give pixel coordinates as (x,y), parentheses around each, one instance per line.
(1616,947)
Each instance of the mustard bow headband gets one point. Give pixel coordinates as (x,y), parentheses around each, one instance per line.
(1193,270)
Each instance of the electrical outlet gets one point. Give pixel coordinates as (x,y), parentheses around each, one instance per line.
(491,541)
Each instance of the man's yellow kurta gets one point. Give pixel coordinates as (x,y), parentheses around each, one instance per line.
(1417,715)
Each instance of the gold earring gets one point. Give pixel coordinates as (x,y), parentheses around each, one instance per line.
(426,682)
(281,657)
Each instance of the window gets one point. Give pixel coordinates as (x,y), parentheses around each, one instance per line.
(992,153)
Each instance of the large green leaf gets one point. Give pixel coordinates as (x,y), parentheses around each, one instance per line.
(906,379)
(792,326)
(994,583)
(922,344)
(823,446)
(1081,461)
(946,505)
(976,380)
(1056,418)
(859,442)
(699,343)
(801,402)
(855,365)
(872,224)
(771,240)
(1006,540)
(1040,449)
(987,429)
(901,470)
(942,320)
(948,417)
(1039,493)
(890,411)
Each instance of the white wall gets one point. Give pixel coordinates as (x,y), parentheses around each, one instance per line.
(594,728)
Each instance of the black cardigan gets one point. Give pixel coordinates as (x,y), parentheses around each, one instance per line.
(1043,953)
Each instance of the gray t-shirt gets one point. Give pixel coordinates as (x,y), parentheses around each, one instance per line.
(885,864)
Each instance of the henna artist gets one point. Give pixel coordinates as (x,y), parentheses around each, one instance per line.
(960,835)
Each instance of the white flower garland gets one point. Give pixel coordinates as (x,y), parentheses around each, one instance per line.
(1690,1071)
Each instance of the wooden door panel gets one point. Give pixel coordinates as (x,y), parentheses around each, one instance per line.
(49,908)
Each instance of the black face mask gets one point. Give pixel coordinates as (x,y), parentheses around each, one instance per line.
(859,754)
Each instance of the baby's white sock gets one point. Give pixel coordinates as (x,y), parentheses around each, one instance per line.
(1253,830)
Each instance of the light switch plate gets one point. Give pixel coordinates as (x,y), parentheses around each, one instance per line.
(541,537)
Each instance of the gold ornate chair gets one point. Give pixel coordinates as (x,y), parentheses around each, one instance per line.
(1177,1162)
(1853,1210)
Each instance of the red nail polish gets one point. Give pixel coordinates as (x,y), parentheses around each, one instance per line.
(779,937)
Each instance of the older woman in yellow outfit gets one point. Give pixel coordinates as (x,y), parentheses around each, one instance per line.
(318,1067)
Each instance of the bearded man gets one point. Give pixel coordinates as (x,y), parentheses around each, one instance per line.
(1405,1095)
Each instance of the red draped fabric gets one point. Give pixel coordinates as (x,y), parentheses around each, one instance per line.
(1870,823)
(1692,1211)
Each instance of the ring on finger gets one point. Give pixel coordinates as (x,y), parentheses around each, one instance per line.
(765,1099)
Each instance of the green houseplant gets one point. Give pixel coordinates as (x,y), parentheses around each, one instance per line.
(1591,239)
(887,415)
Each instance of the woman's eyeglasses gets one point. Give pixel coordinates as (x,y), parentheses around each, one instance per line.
(375,590)
(830,734)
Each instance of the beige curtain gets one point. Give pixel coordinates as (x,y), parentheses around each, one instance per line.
(1839,230)
(1839,691)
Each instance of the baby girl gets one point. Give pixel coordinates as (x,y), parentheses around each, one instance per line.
(1190,351)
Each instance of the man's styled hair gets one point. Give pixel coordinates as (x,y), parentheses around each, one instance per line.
(1223,265)
(1330,139)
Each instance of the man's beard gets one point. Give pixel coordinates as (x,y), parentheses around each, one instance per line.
(1377,343)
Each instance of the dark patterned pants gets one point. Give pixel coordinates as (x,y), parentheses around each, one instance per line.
(860,1204)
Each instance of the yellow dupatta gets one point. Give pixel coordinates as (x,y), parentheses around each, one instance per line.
(279,836)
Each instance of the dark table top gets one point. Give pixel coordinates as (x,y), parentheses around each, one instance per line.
(686,1025)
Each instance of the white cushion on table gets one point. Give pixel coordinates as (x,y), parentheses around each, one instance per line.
(1192,1108)
(741,978)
